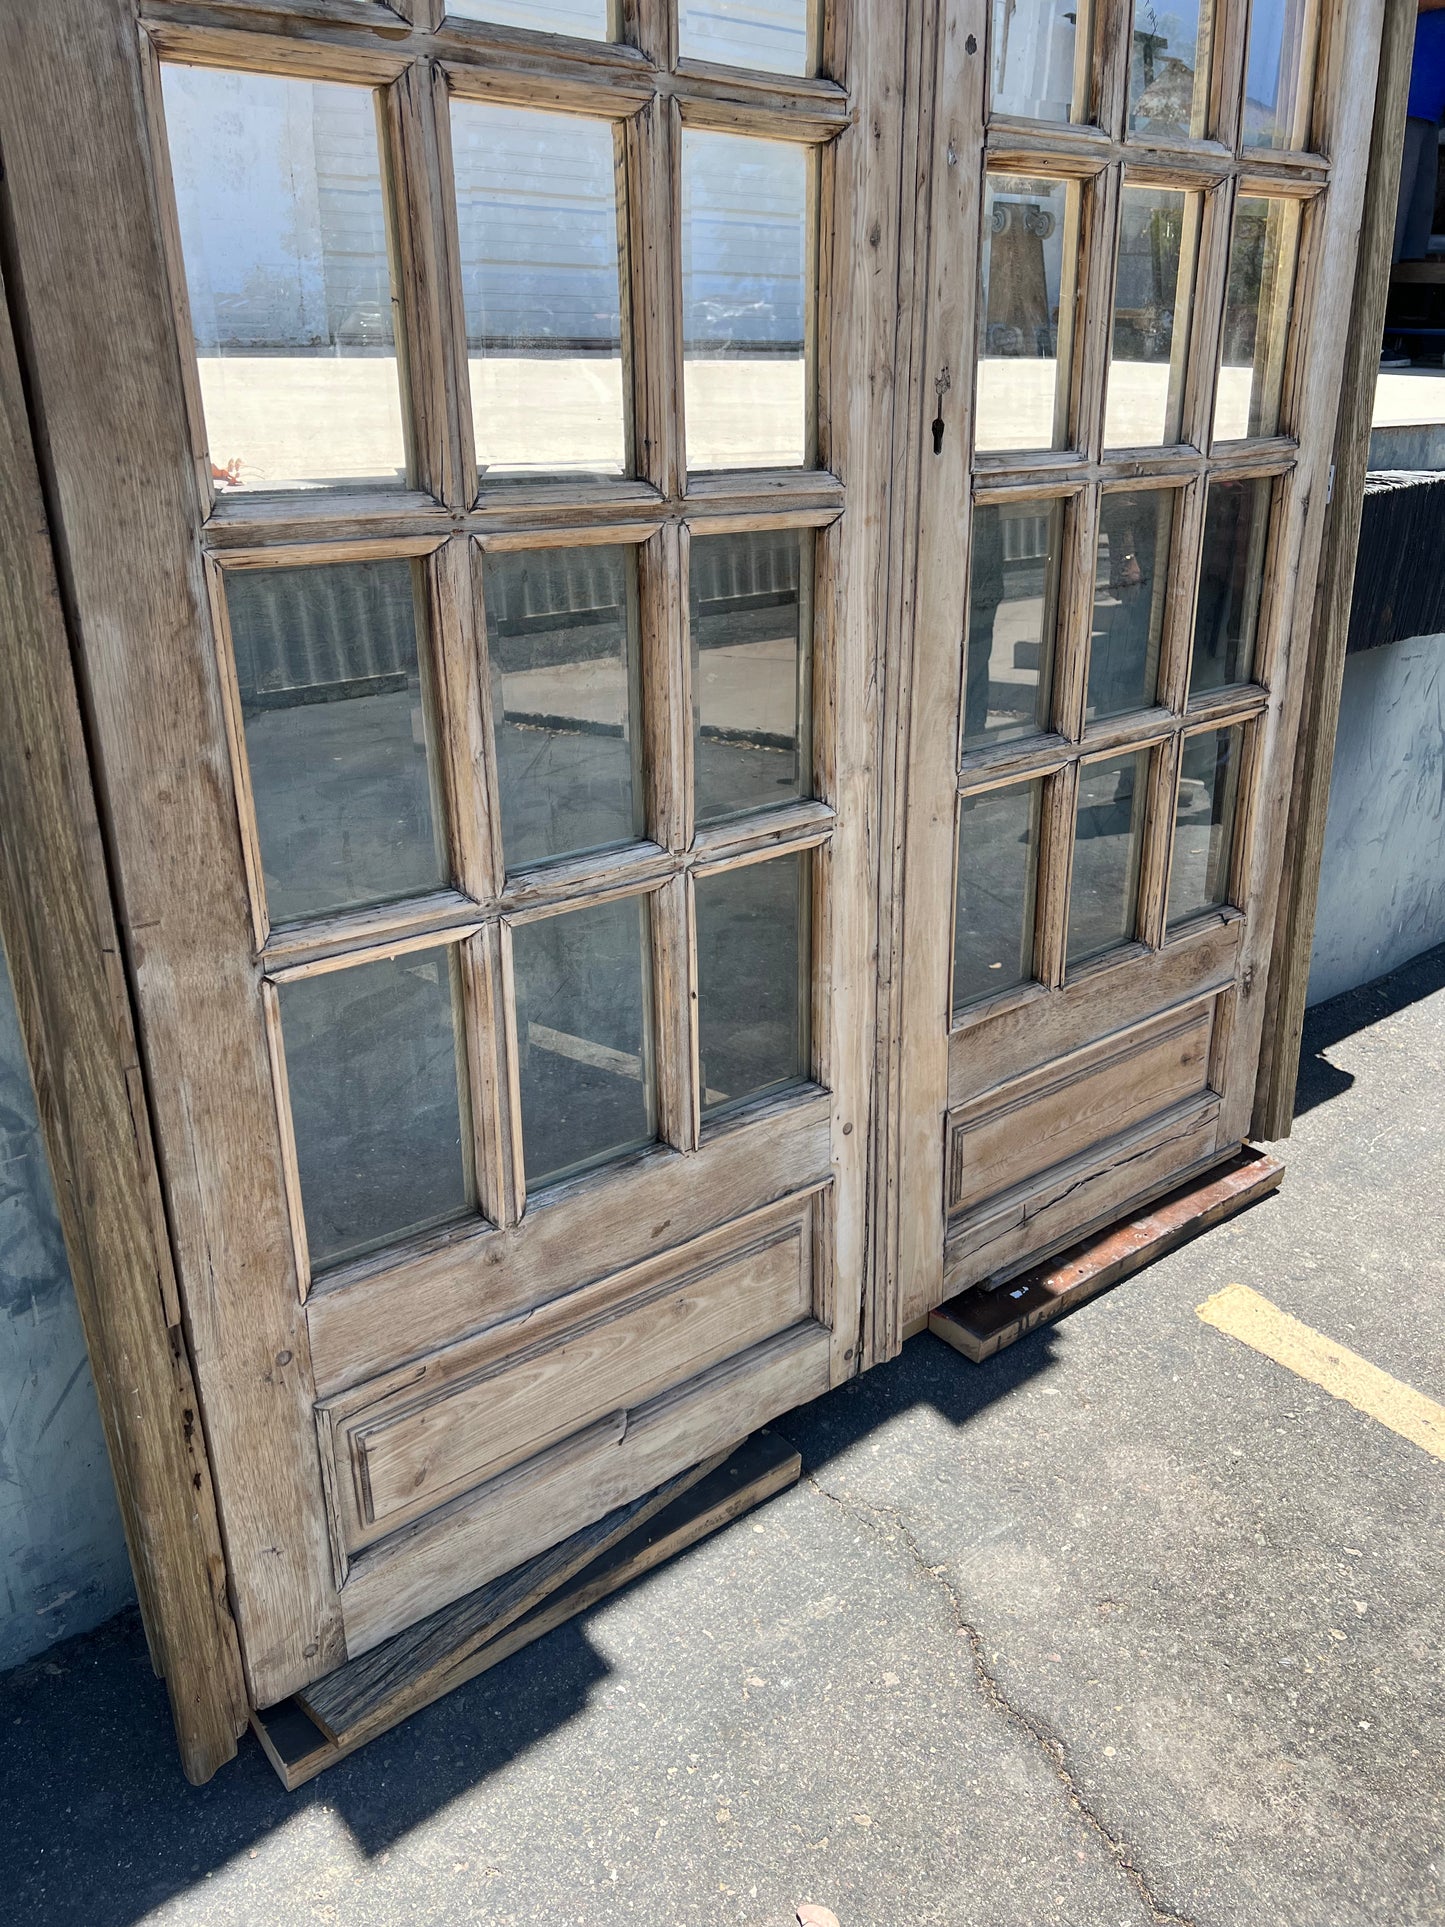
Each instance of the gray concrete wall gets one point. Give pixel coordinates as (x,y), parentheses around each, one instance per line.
(63,1564)
(1382,883)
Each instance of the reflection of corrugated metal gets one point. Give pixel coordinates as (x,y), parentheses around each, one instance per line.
(346,624)
(1025,537)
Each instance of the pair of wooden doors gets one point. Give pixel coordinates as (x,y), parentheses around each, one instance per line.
(672,794)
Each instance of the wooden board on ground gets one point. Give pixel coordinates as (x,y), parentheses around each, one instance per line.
(986,1318)
(371,1695)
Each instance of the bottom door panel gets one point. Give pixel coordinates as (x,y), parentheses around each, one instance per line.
(535,1504)
(406,1444)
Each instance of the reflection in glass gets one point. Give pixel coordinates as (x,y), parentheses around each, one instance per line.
(753,979)
(584,19)
(338,736)
(1012,610)
(1169,68)
(537,221)
(1030,240)
(1204,823)
(561,648)
(745,275)
(770,36)
(750,614)
(1275,101)
(1256,317)
(1038,56)
(284,235)
(1108,837)
(993,930)
(1130,581)
(376,1074)
(584,1037)
(1146,363)
(1236,523)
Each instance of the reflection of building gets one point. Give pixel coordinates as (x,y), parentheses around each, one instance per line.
(1033,59)
(289,180)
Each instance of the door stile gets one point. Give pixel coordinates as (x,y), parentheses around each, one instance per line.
(1350,44)
(109,379)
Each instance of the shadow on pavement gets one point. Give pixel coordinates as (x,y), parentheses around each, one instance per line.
(1356,1010)
(98,1828)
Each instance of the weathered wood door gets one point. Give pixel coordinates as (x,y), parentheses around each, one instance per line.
(466,451)
(1141,227)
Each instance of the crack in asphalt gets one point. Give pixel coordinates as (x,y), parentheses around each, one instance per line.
(1028,1724)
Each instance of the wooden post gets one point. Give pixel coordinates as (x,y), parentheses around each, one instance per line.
(59,935)
(1314,758)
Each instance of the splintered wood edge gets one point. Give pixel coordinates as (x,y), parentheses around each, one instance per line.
(1096,1264)
(298,1750)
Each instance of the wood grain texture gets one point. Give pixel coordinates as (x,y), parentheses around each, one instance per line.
(1024,1226)
(1311,409)
(351,1699)
(761,1467)
(120,462)
(591,1227)
(410,1441)
(984,1320)
(58,930)
(543,1500)
(1290,954)
(1075,1102)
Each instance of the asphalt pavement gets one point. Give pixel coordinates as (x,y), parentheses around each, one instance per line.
(1129,1625)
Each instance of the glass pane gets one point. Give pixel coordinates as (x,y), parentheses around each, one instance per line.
(375,1067)
(537,221)
(745,279)
(1108,834)
(338,735)
(1204,823)
(585,19)
(1146,363)
(1274,100)
(284,234)
(1030,230)
(993,930)
(1130,581)
(584,1036)
(1169,68)
(562,649)
(1236,523)
(1035,53)
(1012,609)
(1256,318)
(750,611)
(771,35)
(752,979)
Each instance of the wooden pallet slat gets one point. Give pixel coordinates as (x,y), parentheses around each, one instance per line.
(304,1735)
(987,1317)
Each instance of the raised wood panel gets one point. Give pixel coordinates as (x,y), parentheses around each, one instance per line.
(378,1314)
(470,1413)
(518,1515)
(1026,1224)
(1039,1030)
(1006,1138)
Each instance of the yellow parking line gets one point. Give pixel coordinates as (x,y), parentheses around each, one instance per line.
(1244,1315)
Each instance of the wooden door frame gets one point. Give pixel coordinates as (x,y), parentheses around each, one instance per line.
(909,1258)
(1315,756)
(58,929)
(57,914)
(121,465)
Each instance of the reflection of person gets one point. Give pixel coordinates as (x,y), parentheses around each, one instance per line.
(1425,109)
(1119,658)
(984,595)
